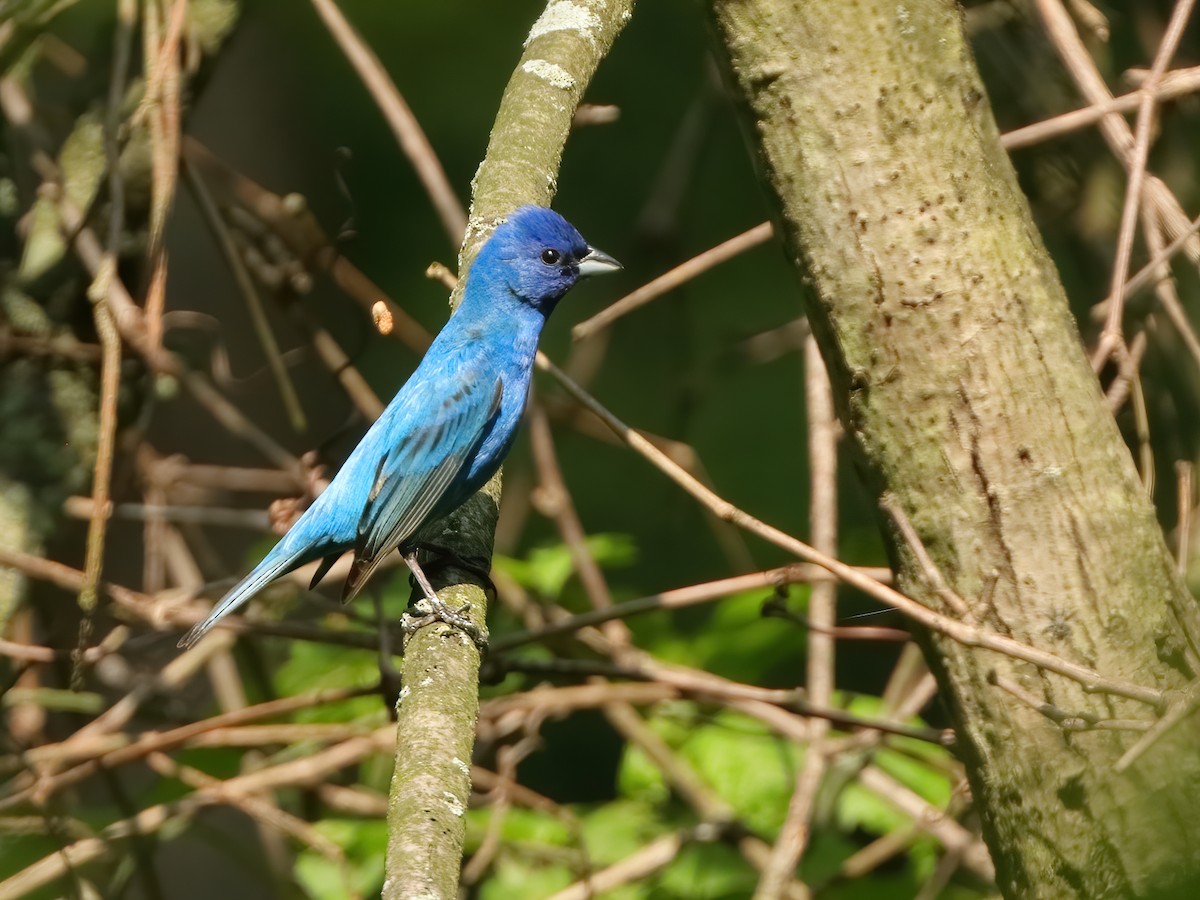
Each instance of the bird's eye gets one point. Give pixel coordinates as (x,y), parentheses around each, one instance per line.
(550,256)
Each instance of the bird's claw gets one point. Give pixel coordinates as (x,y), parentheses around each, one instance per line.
(434,610)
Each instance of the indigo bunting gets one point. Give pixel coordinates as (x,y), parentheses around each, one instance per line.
(449,427)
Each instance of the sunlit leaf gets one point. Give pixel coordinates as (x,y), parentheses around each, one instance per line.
(364,844)
(548,568)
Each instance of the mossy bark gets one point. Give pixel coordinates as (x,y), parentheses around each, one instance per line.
(439,701)
(961,378)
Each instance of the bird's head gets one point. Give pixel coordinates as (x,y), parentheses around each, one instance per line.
(538,256)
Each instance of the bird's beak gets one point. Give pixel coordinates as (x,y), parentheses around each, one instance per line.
(597,262)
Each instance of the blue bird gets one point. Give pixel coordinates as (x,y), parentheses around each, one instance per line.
(449,427)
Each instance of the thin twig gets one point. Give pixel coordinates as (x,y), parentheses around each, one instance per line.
(680,598)
(110,345)
(964,633)
(161,107)
(1152,270)
(656,855)
(1165,290)
(823,433)
(1141,421)
(248,290)
(110,384)
(667,282)
(404,124)
(224,517)
(1183,500)
(90,754)
(667,683)
(952,835)
(301,772)
(1066,721)
(558,505)
(290,220)
(1111,336)
(1182,708)
(1178,83)
(507,760)
(36,654)
(1115,131)
(890,505)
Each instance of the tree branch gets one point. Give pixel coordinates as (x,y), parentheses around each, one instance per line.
(440,701)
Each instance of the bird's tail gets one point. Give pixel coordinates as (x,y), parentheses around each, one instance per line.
(279,561)
(360,570)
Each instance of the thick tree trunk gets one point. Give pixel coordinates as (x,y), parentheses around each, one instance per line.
(961,378)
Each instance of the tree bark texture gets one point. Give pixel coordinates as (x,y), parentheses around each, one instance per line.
(439,701)
(961,378)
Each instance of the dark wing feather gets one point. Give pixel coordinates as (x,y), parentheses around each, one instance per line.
(414,477)
(323,569)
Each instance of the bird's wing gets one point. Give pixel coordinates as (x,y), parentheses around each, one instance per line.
(415,475)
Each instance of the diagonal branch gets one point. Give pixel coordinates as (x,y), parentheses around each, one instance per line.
(1112,334)
(400,118)
(668,281)
(961,632)
(436,717)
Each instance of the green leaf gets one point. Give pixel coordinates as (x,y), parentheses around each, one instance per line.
(209,22)
(44,246)
(638,778)
(611,550)
(364,844)
(18,851)
(524,877)
(707,872)
(932,783)
(924,768)
(83,162)
(311,667)
(542,854)
(736,641)
(520,826)
(748,766)
(858,807)
(618,829)
(828,849)
(752,768)
(923,856)
(548,568)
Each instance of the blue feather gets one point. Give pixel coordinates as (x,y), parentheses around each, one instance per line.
(450,426)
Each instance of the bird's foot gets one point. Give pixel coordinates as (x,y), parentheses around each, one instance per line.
(433,610)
